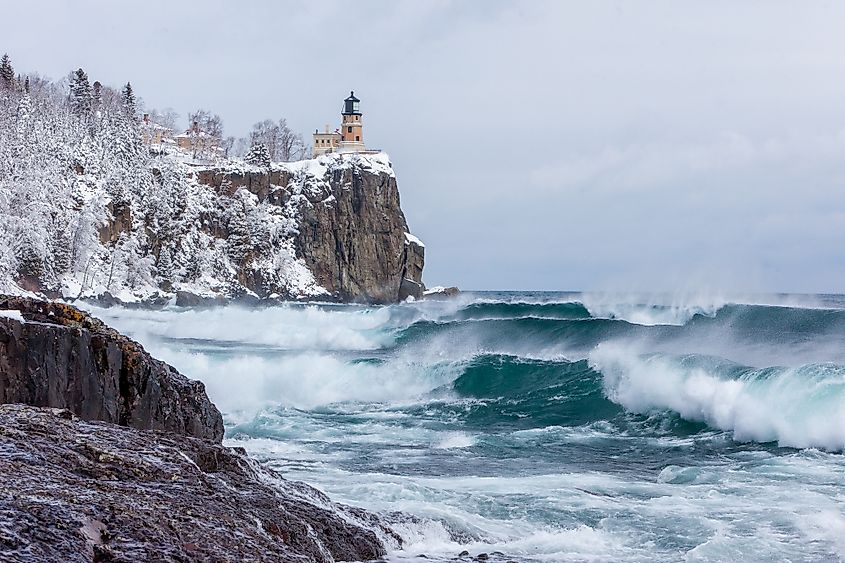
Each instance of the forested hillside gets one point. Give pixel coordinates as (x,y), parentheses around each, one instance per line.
(87,209)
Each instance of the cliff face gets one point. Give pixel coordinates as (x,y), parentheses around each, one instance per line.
(350,230)
(61,357)
(330,228)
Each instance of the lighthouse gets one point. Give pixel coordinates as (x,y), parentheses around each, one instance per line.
(350,136)
(351,130)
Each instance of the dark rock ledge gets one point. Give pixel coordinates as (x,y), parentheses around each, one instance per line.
(63,357)
(130,467)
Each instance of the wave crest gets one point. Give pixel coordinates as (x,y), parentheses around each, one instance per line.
(799,407)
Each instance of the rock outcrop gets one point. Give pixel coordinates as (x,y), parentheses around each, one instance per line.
(350,229)
(76,491)
(58,356)
(120,459)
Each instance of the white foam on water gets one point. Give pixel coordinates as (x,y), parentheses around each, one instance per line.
(800,407)
(249,383)
(745,510)
(452,440)
(291,327)
(653,310)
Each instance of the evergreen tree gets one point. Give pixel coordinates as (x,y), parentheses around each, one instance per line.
(97,95)
(61,261)
(81,96)
(238,241)
(164,267)
(7,73)
(24,110)
(26,85)
(128,98)
(258,155)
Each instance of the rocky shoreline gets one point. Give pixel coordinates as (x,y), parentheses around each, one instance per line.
(107,454)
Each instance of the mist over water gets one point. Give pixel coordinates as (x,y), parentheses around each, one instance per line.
(545,426)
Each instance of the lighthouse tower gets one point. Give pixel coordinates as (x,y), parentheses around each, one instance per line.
(351,130)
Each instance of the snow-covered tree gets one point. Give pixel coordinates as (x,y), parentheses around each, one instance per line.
(97,95)
(84,209)
(81,94)
(7,73)
(166,117)
(205,133)
(258,155)
(128,99)
(283,144)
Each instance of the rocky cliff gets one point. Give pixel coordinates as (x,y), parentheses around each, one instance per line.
(54,355)
(350,230)
(130,467)
(331,228)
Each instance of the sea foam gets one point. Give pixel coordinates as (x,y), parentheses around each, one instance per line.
(799,407)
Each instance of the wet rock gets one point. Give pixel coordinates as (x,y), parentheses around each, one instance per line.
(77,491)
(62,357)
(409,288)
(187,299)
(441,293)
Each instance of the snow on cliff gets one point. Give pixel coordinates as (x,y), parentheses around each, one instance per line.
(87,210)
(91,231)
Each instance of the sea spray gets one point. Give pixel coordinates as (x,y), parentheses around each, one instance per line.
(799,407)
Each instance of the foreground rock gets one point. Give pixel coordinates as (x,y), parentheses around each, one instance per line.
(91,491)
(55,355)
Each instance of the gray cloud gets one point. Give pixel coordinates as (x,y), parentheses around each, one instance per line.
(539,145)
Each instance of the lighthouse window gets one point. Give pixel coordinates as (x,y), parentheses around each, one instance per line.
(357,138)
(349,129)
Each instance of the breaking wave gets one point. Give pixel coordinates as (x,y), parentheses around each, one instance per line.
(524,363)
(800,407)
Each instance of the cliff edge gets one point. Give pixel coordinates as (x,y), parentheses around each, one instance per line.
(350,231)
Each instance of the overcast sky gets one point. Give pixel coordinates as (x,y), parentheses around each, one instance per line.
(538,145)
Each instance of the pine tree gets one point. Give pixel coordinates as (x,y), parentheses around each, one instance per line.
(258,155)
(164,267)
(23,125)
(128,98)
(7,73)
(97,95)
(24,110)
(238,239)
(81,96)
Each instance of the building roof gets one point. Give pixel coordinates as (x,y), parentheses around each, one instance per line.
(352,97)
